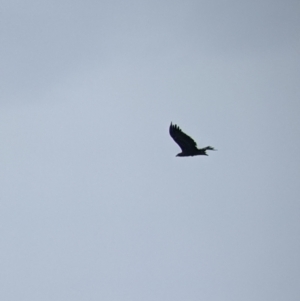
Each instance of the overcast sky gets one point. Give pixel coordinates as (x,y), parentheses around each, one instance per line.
(94,203)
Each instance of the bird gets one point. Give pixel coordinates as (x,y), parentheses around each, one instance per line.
(186,143)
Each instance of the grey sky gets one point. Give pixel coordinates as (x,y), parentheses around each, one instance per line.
(94,203)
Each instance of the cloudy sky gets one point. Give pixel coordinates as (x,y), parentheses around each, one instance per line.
(94,203)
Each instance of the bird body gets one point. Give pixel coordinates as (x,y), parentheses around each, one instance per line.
(186,143)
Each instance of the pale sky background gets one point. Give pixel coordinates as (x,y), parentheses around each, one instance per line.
(94,203)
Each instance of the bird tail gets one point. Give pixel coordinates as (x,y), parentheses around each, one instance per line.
(209,148)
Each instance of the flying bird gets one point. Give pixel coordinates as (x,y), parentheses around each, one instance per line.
(187,144)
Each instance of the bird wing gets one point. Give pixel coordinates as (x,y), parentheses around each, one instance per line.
(185,142)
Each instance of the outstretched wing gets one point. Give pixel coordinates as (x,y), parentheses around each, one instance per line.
(186,143)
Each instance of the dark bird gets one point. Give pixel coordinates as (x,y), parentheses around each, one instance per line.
(187,144)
